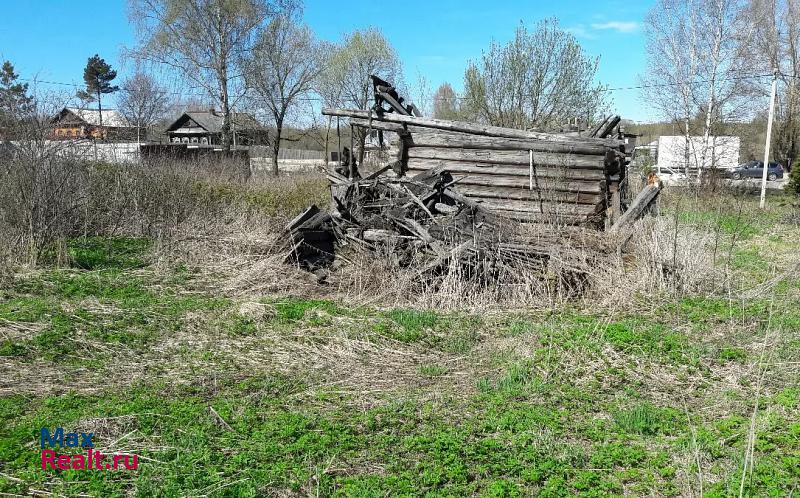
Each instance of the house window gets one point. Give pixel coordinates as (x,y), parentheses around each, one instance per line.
(204,141)
(194,140)
(185,140)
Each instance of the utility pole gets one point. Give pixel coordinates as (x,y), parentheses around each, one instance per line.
(769,138)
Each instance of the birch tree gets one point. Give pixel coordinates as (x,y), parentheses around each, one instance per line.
(281,71)
(672,64)
(773,43)
(143,101)
(204,41)
(539,79)
(693,69)
(359,55)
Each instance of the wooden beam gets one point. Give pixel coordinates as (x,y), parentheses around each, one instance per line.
(461,126)
(437,138)
(419,164)
(638,208)
(521,158)
(513,183)
(523,194)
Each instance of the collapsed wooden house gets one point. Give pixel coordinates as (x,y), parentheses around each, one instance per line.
(452,195)
(575,179)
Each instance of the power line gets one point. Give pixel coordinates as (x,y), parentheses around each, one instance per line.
(456,97)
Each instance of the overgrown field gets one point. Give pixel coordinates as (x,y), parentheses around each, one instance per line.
(236,376)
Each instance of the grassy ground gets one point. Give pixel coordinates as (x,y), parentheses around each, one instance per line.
(225,395)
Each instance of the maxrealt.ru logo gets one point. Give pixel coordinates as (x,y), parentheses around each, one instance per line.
(92,460)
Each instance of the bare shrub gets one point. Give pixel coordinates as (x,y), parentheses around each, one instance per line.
(47,196)
(658,264)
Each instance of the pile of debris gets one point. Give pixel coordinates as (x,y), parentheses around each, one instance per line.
(422,223)
(456,194)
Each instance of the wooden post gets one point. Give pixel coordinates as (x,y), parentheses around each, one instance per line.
(638,207)
(530,169)
(351,173)
(763,201)
(461,126)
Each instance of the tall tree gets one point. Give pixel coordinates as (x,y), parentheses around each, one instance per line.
(204,40)
(694,64)
(97,76)
(281,71)
(143,101)
(327,87)
(773,42)
(361,54)
(539,79)
(445,102)
(15,103)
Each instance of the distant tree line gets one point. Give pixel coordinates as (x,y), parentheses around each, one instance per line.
(710,63)
(258,56)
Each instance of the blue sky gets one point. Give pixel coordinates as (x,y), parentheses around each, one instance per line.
(51,39)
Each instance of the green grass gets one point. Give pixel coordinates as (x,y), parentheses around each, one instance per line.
(319,397)
(646,419)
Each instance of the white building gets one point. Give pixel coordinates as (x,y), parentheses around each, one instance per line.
(722,153)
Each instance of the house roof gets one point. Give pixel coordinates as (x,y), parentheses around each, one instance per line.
(112,118)
(212,121)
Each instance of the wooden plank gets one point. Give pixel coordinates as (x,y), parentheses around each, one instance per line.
(517,183)
(554,208)
(461,126)
(638,207)
(562,219)
(428,137)
(529,195)
(417,165)
(463,141)
(507,157)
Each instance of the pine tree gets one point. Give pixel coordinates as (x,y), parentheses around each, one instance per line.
(15,103)
(98,76)
(793,187)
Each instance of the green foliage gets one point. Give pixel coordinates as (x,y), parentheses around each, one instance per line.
(413,323)
(292,309)
(97,76)
(495,405)
(534,80)
(432,370)
(729,353)
(93,253)
(646,419)
(793,185)
(15,103)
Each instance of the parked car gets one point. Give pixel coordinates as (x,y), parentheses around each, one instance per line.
(755,169)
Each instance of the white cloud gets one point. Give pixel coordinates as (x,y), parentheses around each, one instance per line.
(619,26)
(580,31)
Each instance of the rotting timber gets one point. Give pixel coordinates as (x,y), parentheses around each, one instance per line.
(492,204)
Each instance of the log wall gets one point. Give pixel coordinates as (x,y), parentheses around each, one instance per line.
(566,183)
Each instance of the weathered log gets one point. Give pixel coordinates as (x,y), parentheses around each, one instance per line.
(445,208)
(381,235)
(547,219)
(638,207)
(430,137)
(416,165)
(547,207)
(461,126)
(606,127)
(515,183)
(436,138)
(524,194)
(521,158)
